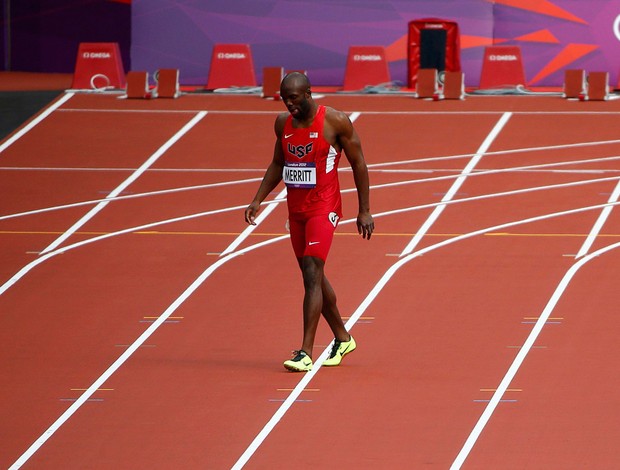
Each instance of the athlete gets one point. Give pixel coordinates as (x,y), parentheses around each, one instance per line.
(309,142)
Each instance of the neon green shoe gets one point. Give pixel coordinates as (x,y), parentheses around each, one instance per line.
(300,363)
(339,350)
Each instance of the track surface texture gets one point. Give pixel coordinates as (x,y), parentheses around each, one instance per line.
(143,325)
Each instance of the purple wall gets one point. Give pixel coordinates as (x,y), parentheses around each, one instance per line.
(45,34)
(315,34)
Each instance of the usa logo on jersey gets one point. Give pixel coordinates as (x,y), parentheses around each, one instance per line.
(300,151)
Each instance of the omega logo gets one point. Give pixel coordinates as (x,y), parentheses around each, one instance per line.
(617,27)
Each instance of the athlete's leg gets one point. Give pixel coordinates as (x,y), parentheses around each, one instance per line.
(312,272)
(331,313)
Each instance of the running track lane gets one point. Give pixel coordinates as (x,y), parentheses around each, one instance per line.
(373,365)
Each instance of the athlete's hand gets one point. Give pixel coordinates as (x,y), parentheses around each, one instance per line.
(250,212)
(365,224)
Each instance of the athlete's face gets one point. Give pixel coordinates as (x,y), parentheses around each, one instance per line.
(297,101)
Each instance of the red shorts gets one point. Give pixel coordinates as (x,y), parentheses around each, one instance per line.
(313,236)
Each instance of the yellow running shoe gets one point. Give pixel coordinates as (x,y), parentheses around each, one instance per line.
(339,350)
(300,363)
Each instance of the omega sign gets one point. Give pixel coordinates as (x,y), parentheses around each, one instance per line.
(503,57)
(96,55)
(231,55)
(617,27)
(366,57)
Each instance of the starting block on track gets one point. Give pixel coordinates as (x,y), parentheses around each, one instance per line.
(137,85)
(575,85)
(231,66)
(167,83)
(454,85)
(366,65)
(598,86)
(272,77)
(428,84)
(593,86)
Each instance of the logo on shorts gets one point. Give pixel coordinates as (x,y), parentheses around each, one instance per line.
(333,218)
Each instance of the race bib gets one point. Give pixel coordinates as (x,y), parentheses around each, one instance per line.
(299,175)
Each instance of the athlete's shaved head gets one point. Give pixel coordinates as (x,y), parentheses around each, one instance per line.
(297,96)
(296,81)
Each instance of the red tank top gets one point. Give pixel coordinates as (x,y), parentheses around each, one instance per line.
(310,169)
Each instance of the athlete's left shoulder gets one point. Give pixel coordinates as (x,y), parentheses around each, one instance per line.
(337,119)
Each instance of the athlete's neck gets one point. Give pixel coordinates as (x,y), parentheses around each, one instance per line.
(308,119)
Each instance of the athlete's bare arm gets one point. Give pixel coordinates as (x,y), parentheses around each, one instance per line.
(273,175)
(342,131)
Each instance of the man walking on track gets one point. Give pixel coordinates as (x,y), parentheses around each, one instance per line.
(310,139)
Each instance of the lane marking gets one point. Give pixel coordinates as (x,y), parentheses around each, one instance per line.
(22,272)
(498,152)
(457,184)
(100,381)
(207,273)
(598,225)
(126,170)
(339,234)
(250,228)
(375,291)
(280,238)
(389,113)
(32,264)
(98,390)
(494,195)
(19,134)
(135,175)
(373,187)
(139,228)
(521,355)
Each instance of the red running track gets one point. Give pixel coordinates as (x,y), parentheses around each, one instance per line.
(146,328)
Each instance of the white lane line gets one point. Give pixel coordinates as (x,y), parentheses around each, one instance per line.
(380,113)
(298,390)
(100,381)
(129,196)
(370,165)
(498,153)
(250,228)
(523,352)
(150,225)
(379,186)
(598,225)
(376,290)
(457,184)
(26,269)
(125,170)
(136,174)
(18,135)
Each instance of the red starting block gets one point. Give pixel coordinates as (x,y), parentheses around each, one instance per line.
(427,85)
(231,66)
(575,85)
(137,85)
(454,85)
(598,86)
(272,77)
(167,83)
